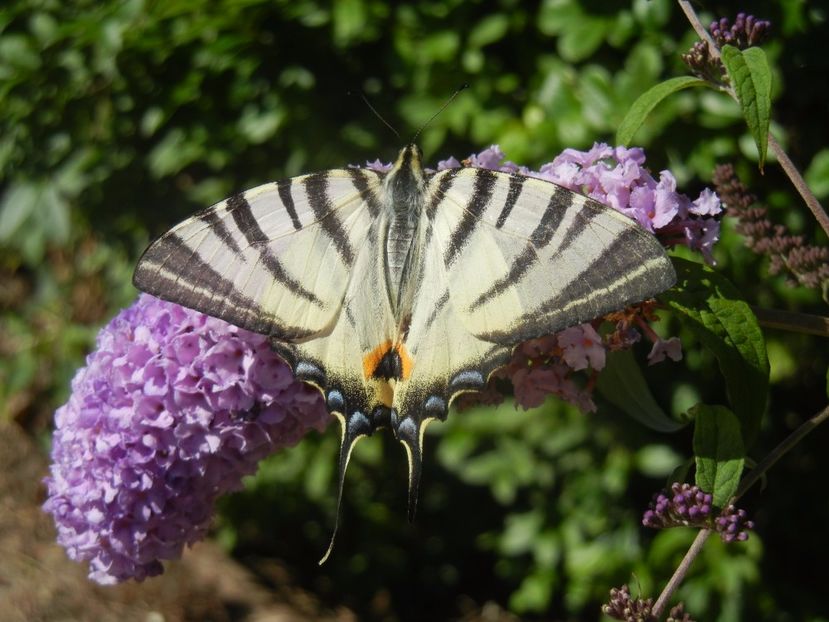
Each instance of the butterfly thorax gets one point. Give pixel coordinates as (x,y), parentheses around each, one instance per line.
(404,189)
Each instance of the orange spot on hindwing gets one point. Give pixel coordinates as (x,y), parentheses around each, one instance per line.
(388,361)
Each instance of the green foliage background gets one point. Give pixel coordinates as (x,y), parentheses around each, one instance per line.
(119,118)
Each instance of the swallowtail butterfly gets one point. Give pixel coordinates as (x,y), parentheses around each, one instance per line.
(393,293)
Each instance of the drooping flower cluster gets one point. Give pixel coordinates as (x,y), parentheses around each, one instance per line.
(688,505)
(807,264)
(747,31)
(615,176)
(171,410)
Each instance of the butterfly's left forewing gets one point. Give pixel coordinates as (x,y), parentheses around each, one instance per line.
(276,259)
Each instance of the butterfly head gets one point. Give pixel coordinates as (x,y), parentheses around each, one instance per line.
(406,181)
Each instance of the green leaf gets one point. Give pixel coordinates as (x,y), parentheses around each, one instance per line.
(647,101)
(18,203)
(582,38)
(622,384)
(489,30)
(751,78)
(719,451)
(712,308)
(817,175)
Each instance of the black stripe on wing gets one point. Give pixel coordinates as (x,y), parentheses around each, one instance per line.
(283,187)
(240,210)
(172,270)
(560,201)
(632,268)
(316,187)
(217,226)
(482,192)
(445,181)
(516,185)
(361,180)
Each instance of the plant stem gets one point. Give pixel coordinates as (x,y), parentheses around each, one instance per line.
(799,183)
(778,452)
(698,27)
(792,321)
(680,572)
(782,157)
(755,474)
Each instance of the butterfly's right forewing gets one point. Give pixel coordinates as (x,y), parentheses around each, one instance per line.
(544,258)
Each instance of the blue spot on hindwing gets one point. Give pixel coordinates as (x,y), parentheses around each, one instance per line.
(467,379)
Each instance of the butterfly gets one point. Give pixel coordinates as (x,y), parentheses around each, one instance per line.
(393,293)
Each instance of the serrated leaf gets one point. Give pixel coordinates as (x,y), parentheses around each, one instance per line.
(647,101)
(622,384)
(712,308)
(751,78)
(718,451)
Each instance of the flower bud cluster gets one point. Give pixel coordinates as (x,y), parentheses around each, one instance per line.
(622,606)
(688,505)
(747,31)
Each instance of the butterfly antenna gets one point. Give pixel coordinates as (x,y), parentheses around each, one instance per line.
(457,92)
(377,114)
(353,429)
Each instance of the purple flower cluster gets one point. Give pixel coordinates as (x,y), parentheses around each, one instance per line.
(688,505)
(733,524)
(171,410)
(747,31)
(622,606)
(616,176)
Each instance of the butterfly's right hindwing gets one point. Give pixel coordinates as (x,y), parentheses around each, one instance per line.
(276,259)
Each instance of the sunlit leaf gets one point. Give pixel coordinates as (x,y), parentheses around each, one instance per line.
(718,450)
(751,78)
(646,102)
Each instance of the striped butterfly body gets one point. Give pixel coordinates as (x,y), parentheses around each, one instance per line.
(393,293)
